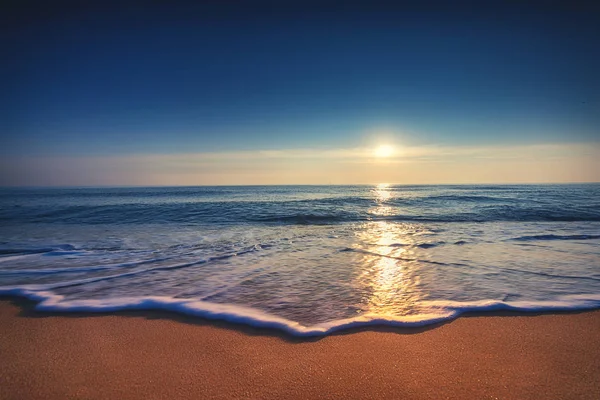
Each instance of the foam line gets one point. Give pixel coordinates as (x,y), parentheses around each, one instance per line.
(82,269)
(17,257)
(443,310)
(400,258)
(556,237)
(546,274)
(520,271)
(136,272)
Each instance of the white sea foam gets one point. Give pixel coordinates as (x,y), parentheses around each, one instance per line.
(441,311)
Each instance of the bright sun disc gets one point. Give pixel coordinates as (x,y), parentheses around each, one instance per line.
(384,151)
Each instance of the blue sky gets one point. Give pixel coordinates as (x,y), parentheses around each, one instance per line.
(130,80)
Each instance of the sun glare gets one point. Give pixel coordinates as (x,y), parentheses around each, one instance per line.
(384,150)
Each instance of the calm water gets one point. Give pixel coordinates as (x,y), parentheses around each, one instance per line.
(306,259)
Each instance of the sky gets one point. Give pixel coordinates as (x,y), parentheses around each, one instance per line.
(210,93)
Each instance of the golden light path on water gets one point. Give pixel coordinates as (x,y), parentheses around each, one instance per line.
(389,276)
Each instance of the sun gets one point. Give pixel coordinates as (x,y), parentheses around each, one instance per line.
(383,151)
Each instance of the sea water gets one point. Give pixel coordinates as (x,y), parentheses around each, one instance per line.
(305,259)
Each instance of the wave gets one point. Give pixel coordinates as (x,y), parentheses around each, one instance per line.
(465,198)
(372,253)
(422,245)
(28,251)
(312,219)
(440,311)
(541,273)
(507,269)
(325,210)
(304,219)
(91,268)
(122,274)
(373,199)
(555,237)
(429,245)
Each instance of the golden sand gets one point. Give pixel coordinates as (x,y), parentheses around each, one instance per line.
(156,355)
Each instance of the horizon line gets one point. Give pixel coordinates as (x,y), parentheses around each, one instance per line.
(298,184)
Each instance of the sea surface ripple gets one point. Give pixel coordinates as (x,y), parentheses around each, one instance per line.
(305,259)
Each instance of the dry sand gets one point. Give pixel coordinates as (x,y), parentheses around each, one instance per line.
(154,355)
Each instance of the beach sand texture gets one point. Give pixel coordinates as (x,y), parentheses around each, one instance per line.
(156,355)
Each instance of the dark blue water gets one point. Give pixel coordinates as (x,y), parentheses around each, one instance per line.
(307,259)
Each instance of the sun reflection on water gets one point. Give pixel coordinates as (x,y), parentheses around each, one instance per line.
(389,277)
(382,192)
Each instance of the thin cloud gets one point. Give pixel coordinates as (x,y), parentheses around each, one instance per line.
(424,164)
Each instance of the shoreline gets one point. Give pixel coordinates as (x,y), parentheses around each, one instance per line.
(159,354)
(238,316)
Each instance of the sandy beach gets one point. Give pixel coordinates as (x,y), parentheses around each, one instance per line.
(155,355)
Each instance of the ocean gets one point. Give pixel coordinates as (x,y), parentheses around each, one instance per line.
(308,260)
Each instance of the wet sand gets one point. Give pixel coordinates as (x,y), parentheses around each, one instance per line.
(157,355)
